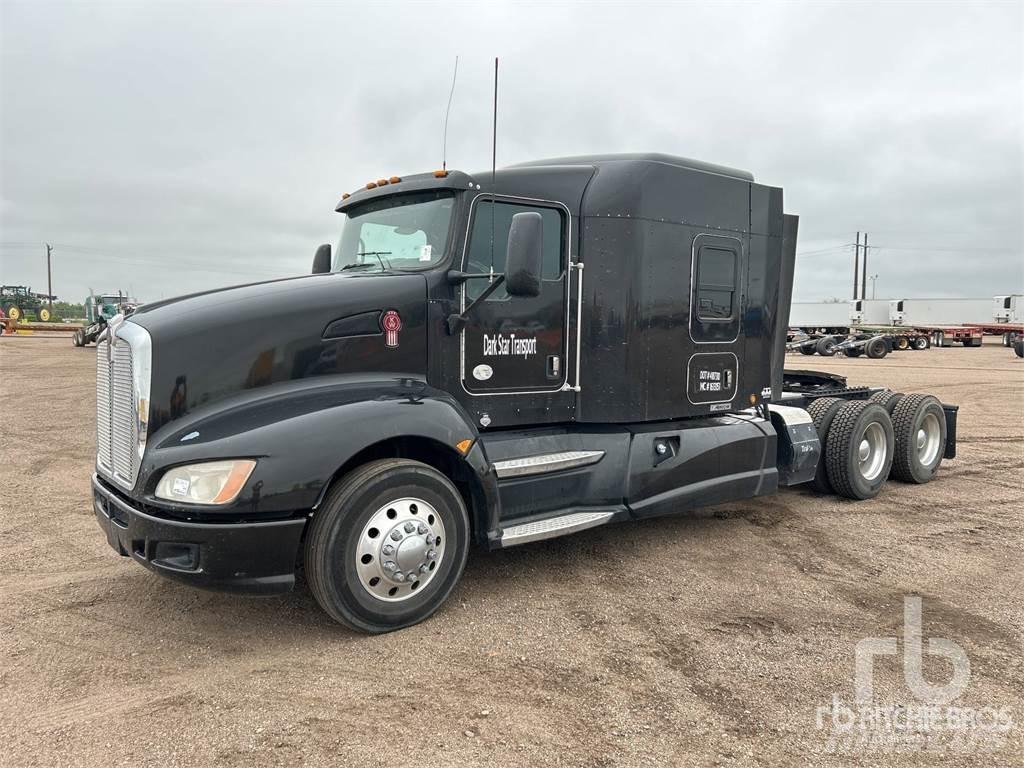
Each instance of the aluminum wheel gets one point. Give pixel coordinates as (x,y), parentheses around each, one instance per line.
(398,552)
(872,451)
(928,438)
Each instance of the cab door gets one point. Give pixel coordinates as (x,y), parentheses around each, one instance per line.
(515,345)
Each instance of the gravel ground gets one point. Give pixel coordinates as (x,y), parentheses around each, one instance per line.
(706,639)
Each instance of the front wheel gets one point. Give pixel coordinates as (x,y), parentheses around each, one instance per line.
(387,546)
(14,312)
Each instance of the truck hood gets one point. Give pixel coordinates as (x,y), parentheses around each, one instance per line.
(210,346)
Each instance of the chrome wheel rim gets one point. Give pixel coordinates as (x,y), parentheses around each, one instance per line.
(872,451)
(400,549)
(927,439)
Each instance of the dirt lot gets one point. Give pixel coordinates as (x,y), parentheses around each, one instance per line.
(699,640)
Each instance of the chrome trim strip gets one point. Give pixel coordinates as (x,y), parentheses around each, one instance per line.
(546,462)
(553,527)
(579,319)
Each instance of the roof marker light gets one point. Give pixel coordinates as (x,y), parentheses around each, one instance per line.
(440,174)
(345,195)
(381,182)
(371,185)
(395,179)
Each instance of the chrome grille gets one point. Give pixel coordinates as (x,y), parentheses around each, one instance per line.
(117,421)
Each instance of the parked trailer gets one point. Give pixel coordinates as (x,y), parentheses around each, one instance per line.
(947,335)
(922,313)
(869,312)
(820,316)
(1008,309)
(390,412)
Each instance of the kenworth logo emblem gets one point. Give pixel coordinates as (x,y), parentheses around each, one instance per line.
(391,322)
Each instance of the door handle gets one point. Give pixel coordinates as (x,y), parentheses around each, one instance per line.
(554,368)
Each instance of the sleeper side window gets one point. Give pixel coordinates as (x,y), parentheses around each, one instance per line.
(714,314)
(478,255)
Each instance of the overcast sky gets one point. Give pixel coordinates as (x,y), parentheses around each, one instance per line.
(168,147)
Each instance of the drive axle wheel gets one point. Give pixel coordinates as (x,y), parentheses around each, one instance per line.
(387,546)
(919,424)
(922,342)
(822,411)
(887,399)
(859,450)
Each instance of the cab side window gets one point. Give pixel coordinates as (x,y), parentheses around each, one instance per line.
(715,312)
(478,254)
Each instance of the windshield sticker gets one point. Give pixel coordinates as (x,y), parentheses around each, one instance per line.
(391,322)
(509,346)
(425,252)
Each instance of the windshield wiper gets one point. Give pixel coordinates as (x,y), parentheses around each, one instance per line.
(384,263)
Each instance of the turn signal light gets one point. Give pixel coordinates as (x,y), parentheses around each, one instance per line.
(463,446)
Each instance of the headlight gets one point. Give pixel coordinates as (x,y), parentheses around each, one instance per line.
(212,482)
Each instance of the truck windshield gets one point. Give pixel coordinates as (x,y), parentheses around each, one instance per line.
(404,232)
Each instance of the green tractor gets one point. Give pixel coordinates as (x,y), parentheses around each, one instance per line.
(99,309)
(17,301)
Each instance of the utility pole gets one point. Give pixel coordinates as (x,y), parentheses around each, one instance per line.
(856,265)
(49,279)
(874,278)
(864,271)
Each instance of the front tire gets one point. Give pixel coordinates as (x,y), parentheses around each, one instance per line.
(387,546)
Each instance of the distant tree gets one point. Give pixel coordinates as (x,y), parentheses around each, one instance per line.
(63,310)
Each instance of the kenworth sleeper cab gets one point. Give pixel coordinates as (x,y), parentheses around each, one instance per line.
(486,360)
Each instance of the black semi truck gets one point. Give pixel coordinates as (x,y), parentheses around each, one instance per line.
(487,359)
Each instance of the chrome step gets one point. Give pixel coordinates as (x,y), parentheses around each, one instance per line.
(552,527)
(546,462)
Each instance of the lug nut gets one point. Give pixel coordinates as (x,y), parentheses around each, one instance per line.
(389,566)
(422,529)
(424,568)
(432,554)
(387,549)
(398,576)
(396,534)
(410,527)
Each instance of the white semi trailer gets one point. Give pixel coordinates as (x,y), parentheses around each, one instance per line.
(869,312)
(922,313)
(823,316)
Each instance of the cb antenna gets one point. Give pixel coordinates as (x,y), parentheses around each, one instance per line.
(444,143)
(494,158)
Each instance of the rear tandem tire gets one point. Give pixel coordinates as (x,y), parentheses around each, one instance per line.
(887,399)
(919,427)
(351,584)
(853,351)
(859,452)
(1018,347)
(822,411)
(807,349)
(921,342)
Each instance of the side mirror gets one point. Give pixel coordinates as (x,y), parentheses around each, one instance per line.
(525,255)
(322,259)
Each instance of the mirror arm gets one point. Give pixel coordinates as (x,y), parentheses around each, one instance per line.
(455,277)
(457,322)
